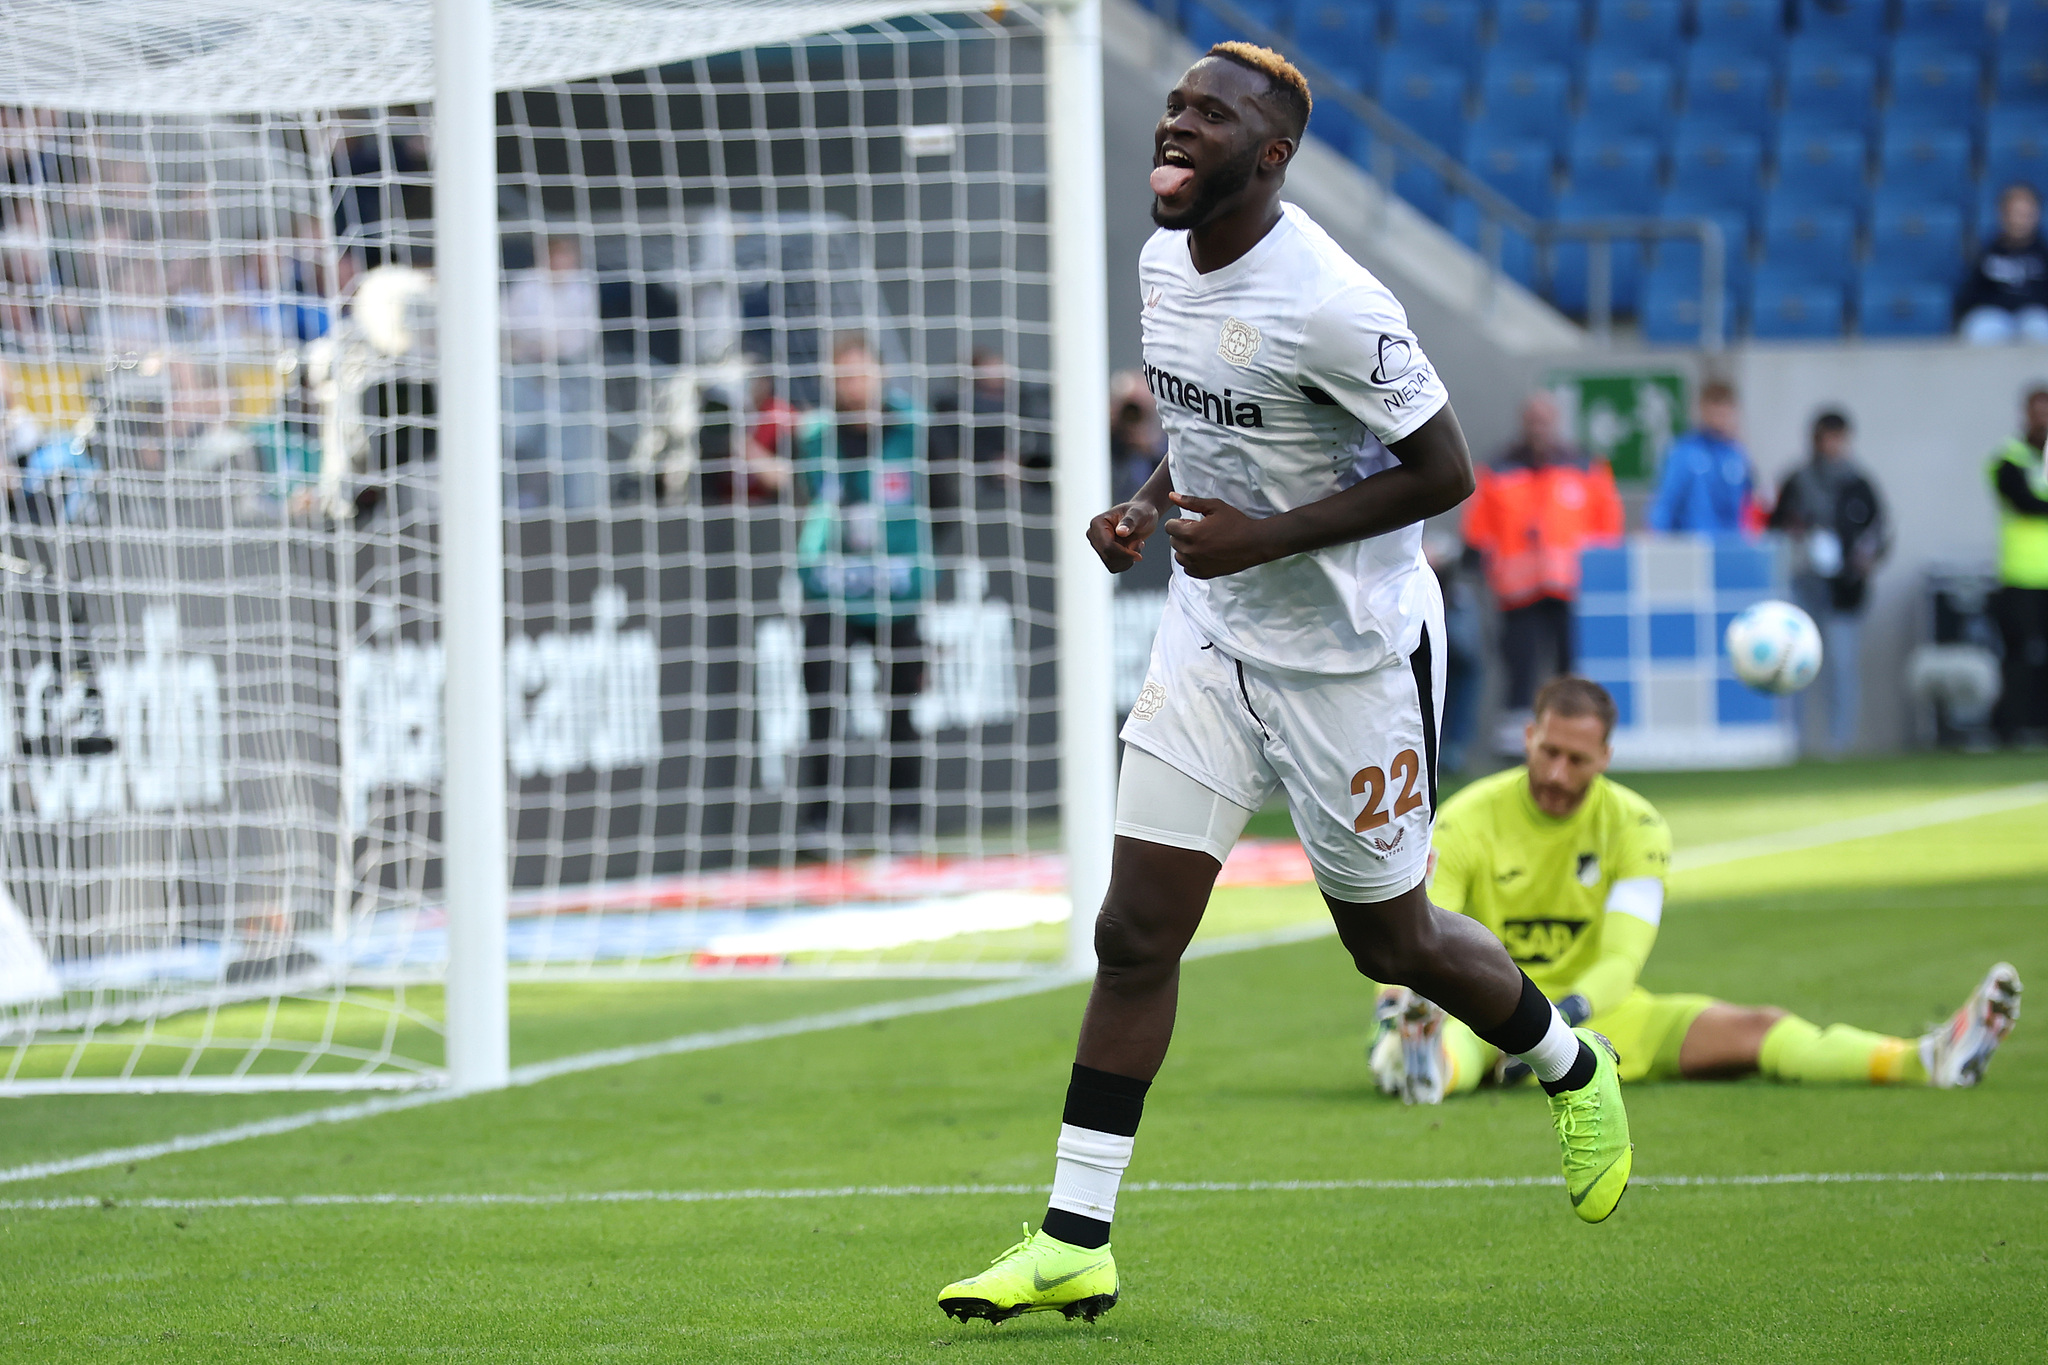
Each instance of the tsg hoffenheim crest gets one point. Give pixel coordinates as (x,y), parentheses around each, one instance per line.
(1239,342)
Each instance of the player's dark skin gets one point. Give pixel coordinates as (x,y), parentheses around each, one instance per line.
(1236,139)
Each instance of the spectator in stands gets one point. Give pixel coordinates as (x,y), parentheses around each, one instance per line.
(1831,509)
(552,398)
(863,557)
(1706,481)
(2004,298)
(2020,480)
(1540,503)
(1137,442)
(999,424)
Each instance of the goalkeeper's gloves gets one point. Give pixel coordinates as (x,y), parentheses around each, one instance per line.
(1575,1008)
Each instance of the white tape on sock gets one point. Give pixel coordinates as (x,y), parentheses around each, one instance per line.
(1553,1057)
(1090,1167)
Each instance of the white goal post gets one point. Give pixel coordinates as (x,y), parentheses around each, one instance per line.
(556,490)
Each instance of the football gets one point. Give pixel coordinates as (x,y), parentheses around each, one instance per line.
(1774,647)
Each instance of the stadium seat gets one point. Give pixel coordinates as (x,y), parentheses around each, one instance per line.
(1645,30)
(1429,99)
(1343,37)
(1794,306)
(1914,240)
(1438,32)
(1724,170)
(2022,80)
(1627,97)
(1610,174)
(1520,168)
(1744,28)
(1517,252)
(2026,25)
(1735,229)
(1844,25)
(1821,169)
(1818,244)
(1932,162)
(1728,91)
(1828,87)
(1571,262)
(1957,25)
(1934,87)
(1671,306)
(1895,305)
(1539,31)
(2016,149)
(1343,130)
(1525,100)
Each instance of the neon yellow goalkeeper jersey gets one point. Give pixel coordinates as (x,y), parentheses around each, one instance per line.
(1540,884)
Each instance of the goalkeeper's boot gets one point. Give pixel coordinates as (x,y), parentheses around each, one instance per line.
(1957,1053)
(1592,1130)
(1425,1063)
(1040,1274)
(1383,1053)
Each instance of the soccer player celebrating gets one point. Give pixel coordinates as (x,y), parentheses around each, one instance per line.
(1301,648)
(1568,869)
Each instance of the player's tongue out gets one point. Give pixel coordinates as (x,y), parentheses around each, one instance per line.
(1167,181)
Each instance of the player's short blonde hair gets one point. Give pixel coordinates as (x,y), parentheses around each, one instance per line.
(1288,82)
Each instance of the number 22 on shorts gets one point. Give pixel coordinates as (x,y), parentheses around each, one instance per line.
(1371,783)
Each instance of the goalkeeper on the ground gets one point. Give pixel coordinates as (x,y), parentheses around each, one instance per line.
(1567,868)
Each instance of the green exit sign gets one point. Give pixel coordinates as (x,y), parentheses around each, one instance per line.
(1626,418)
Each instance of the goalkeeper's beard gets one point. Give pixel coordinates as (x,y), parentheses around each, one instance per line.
(1221,184)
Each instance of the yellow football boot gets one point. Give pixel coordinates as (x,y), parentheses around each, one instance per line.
(1038,1275)
(1592,1130)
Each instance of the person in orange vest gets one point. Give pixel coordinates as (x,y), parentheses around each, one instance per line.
(1539,503)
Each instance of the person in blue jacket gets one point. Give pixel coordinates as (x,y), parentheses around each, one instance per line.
(1706,483)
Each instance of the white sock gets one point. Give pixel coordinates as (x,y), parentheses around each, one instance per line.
(1553,1057)
(1090,1167)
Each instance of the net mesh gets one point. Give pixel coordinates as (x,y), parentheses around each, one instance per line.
(777,435)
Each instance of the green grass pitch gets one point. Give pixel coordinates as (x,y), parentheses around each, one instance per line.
(1267,1083)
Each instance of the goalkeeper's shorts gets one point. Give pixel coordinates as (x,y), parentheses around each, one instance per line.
(1648,1031)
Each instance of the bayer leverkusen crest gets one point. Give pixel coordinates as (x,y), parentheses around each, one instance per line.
(1238,343)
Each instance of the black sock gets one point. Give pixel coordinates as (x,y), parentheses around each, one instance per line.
(1579,1076)
(1523,1029)
(1106,1103)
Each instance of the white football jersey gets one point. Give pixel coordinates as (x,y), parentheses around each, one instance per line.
(1281,378)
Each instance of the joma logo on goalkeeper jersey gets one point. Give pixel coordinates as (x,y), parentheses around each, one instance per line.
(1224,409)
(1539,940)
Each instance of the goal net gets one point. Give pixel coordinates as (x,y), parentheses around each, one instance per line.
(777,432)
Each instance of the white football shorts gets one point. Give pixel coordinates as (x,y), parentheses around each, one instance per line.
(1355,752)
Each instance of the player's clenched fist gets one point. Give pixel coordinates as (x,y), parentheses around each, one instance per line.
(1218,540)
(1119,534)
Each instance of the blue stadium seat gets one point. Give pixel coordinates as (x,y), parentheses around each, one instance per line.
(1894,305)
(1933,162)
(1539,31)
(1526,99)
(2022,77)
(1747,28)
(1727,90)
(1958,25)
(1610,174)
(1735,228)
(1934,87)
(1845,25)
(1829,87)
(1517,252)
(2026,25)
(1429,99)
(1571,260)
(1439,32)
(1647,30)
(1627,97)
(1790,306)
(2016,148)
(1724,170)
(1915,240)
(1343,37)
(1518,167)
(1671,305)
(1821,169)
(1343,130)
(1816,243)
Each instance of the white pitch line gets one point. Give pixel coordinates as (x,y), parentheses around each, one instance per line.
(1943,812)
(1518,1182)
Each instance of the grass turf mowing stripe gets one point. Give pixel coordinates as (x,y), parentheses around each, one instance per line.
(296,1201)
(591,1061)
(1944,812)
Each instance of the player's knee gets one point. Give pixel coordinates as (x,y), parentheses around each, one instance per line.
(1125,951)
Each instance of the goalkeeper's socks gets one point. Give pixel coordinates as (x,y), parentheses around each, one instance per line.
(1795,1050)
(1539,1035)
(1096,1133)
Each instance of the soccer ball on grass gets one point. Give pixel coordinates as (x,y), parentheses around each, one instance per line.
(1774,647)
